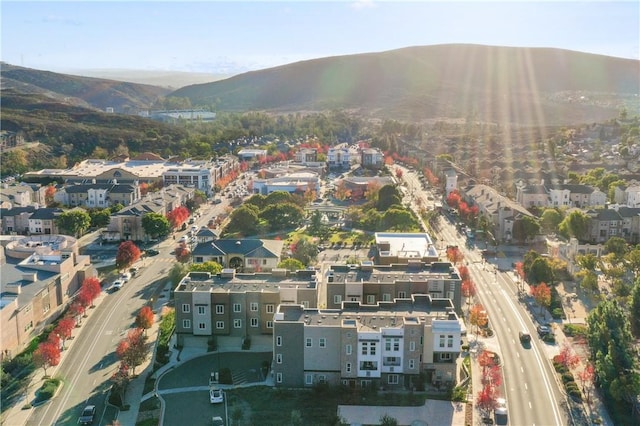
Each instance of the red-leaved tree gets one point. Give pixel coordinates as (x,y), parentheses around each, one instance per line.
(454,254)
(77,309)
(567,357)
(182,253)
(486,399)
(468,289)
(586,376)
(64,329)
(128,253)
(131,350)
(542,295)
(47,355)
(145,318)
(464,272)
(91,286)
(178,216)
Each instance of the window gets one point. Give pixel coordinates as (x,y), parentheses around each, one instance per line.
(365,348)
(337,299)
(278,377)
(253,307)
(202,325)
(412,346)
(372,348)
(201,310)
(371,299)
(402,294)
(308,342)
(386,297)
(278,358)
(278,340)
(305,303)
(412,364)
(219,324)
(322,342)
(348,367)
(237,323)
(237,307)
(254,322)
(220,309)
(308,379)
(396,345)
(322,378)
(393,379)
(186,323)
(387,344)
(348,349)
(186,308)
(269,324)
(441,341)
(445,357)
(269,308)
(450,341)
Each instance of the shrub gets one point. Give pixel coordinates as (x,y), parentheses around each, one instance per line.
(574,330)
(47,390)
(567,378)
(557,313)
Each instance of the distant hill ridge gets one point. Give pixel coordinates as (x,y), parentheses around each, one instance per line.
(496,84)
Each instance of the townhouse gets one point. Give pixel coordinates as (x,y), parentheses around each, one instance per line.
(399,344)
(559,195)
(98,195)
(237,306)
(43,221)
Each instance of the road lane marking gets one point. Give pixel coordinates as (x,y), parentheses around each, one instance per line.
(530,404)
(521,369)
(525,386)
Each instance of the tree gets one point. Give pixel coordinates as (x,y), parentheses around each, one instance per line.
(617,246)
(454,254)
(388,196)
(634,308)
(464,272)
(100,217)
(399,173)
(468,290)
(178,216)
(145,318)
(155,225)
(586,376)
(486,399)
(305,251)
(77,310)
(478,316)
(131,350)
(244,221)
(178,272)
(92,287)
(387,420)
(576,224)
(49,193)
(550,219)
(74,222)
(120,379)
(291,264)
(64,329)
(525,228)
(182,253)
(399,219)
(540,271)
(128,253)
(282,216)
(542,295)
(46,355)
(210,266)
(567,357)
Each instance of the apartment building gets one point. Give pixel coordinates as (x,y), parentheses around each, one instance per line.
(390,344)
(339,158)
(371,284)
(371,158)
(98,195)
(237,306)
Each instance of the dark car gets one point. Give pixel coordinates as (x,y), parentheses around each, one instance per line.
(152,252)
(89,412)
(525,338)
(543,330)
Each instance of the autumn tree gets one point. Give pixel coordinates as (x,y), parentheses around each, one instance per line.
(542,295)
(49,194)
(567,357)
(131,350)
(468,290)
(182,253)
(454,254)
(178,216)
(586,376)
(464,272)
(77,309)
(121,379)
(399,173)
(92,287)
(64,329)
(478,316)
(128,253)
(145,318)
(47,355)
(486,399)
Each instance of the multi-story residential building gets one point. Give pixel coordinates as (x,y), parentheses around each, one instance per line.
(306,155)
(237,306)
(559,195)
(339,158)
(630,224)
(371,284)
(389,343)
(293,182)
(604,224)
(404,247)
(16,196)
(16,220)
(371,158)
(127,223)
(39,275)
(451,181)
(43,221)
(247,154)
(248,255)
(628,195)
(98,195)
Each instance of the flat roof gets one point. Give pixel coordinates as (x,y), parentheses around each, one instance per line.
(246,282)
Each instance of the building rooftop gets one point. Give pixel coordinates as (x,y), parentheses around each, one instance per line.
(406,245)
(228,281)
(386,274)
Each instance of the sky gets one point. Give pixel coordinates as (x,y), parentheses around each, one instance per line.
(237,36)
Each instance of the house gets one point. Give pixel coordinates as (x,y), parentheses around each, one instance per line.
(307,155)
(559,195)
(43,221)
(16,220)
(98,195)
(370,284)
(604,224)
(339,158)
(451,181)
(244,254)
(389,344)
(235,306)
(39,276)
(371,158)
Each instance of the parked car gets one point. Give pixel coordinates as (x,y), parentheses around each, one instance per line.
(152,252)
(217,421)
(500,413)
(125,277)
(89,412)
(543,330)
(134,270)
(216,396)
(217,201)
(117,285)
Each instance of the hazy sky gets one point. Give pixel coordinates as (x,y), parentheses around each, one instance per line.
(230,37)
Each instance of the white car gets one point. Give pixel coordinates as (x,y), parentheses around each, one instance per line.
(125,277)
(117,285)
(216,396)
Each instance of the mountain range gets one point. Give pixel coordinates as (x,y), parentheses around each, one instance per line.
(506,85)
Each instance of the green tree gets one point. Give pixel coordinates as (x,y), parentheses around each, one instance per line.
(633,261)
(589,281)
(244,220)
(634,308)
(177,273)
(617,246)
(587,261)
(550,219)
(74,222)
(291,264)
(155,225)
(305,251)
(282,216)
(399,219)
(100,217)
(540,271)
(210,266)
(388,196)
(525,228)
(575,224)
